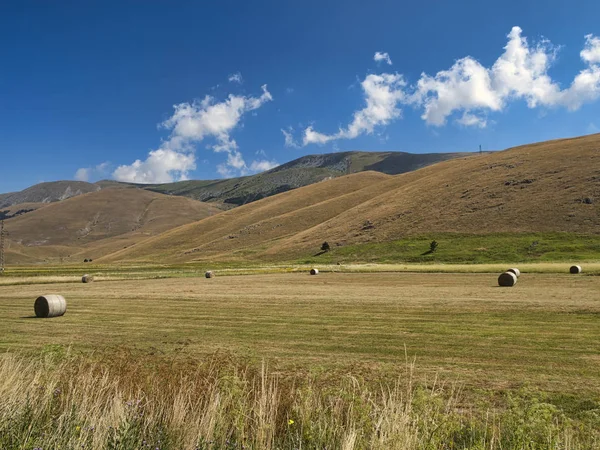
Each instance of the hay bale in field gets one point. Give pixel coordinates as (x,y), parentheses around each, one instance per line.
(87,279)
(575,269)
(514,270)
(51,305)
(507,279)
(314,271)
(209,274)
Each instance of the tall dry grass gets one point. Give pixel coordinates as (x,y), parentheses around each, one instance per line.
(59,401)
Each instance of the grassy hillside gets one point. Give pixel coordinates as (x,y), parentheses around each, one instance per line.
(8,212)
(546,187)
(47,192)
(257,223)
(300,172)
(232,192)
(98,223)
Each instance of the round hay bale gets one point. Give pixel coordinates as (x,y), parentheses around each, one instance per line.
(314,271)
(514,270)
(507,279)
(209,274)
(575,269)
(87,279)
(51,305)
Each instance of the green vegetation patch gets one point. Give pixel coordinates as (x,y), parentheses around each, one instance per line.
(470,249)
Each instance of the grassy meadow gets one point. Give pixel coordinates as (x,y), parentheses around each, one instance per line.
(284,360)
(470,249)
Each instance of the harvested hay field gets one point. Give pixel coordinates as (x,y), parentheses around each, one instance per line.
(545,331)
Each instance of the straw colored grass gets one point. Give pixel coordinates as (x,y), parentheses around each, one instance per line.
(73,403)
(543,331)
(290,361)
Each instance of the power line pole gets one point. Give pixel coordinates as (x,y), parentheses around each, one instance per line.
(2,234)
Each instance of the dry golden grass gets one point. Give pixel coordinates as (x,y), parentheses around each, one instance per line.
(181,363)
(251,225)
(534,188)
(97,223)
(72,403)
(543,331)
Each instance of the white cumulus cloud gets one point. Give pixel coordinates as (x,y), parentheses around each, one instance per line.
(314,137)
(161,166)
(379,57)
(591,51)
(469,91)
(96,172)
(82,174)
(521,72)
(263,165)
(467,86)
(190,124)
(383,93)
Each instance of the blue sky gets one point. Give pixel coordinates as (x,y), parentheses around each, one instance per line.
(207,89)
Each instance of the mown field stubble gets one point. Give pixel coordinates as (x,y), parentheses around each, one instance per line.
(545,331)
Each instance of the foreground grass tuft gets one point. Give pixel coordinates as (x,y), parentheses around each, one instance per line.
(59,401)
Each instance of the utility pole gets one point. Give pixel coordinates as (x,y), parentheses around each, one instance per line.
(2,234)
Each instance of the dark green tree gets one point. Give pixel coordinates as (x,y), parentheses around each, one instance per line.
(325,247)
(433,246)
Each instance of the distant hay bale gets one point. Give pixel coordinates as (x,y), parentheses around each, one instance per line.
(507,279)
(514,270)
(51,305)
(209,274)
(87,279)
(314,271)
(575,269)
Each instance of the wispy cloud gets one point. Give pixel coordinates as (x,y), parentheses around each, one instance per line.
(190,124)
(591,51)
(263,165)
(289,138)
(236,78)
(383,93)
(382,57)
(472,120)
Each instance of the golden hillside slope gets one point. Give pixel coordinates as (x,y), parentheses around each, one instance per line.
(98,223)
(242,229)
(539,187)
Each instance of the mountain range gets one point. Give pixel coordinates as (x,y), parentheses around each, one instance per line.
(284,214)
